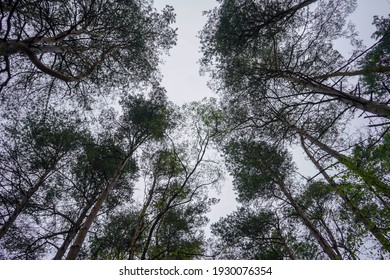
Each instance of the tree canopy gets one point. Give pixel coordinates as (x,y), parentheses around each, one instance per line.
(107,43)
(96,162)
(283,85)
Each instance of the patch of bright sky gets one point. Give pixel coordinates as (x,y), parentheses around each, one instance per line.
(181,69)
(181,76)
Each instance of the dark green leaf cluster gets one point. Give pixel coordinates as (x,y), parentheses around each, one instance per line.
(283,84)
(91,45)
(256,168)
(252,234)
(378,57)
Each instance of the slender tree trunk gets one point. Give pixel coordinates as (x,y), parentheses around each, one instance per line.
(81,235)
(287,248)
(14,47)
(373,107)
(331,236)
(140,220)
(289,251)
(22,204)
(157,220)
(378,69)
(313,229)
(151,231)
(374,184)
(165,210)
(368,223)
(73,231)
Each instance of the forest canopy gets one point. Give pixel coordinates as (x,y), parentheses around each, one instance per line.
(96,162)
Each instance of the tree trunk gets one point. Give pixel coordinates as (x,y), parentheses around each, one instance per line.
(13,47)
(79,239)
(378,69)
(287,248)
(374,184)
(140,220)
(287,13)
(313,229)
(378,109)
(22,204)
(73,231)
(332,238)
(368,223)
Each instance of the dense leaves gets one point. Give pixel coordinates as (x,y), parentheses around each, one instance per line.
(105,42)
(283,83)
(97,163)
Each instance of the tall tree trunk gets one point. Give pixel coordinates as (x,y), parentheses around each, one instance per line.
(73,231)
(366,71)
(140,220)
(158,219)
(22,203)
(378,109)
(331,236)
(374,184)
(81,235)
(13,47)
(313,229)
(368,223)
(287,248)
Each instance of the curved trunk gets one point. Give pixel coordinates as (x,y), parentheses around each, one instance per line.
(378,69)
(287,13)
(287,248)
(13,47)
(140,220)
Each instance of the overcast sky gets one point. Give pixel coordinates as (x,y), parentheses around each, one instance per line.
(181,70)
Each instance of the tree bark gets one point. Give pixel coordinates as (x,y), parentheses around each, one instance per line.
(72,232)
(312,228)
(289,12)
(368,223)
(374,184)
(140,220)
(379,69)
(378,109)
(13,47)
(287,248)
(22,204)
(81,235)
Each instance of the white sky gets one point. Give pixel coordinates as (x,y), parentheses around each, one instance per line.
(181,70)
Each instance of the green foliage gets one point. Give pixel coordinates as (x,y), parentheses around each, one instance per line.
(112,242)
(104,42)
(248,234)
(256,168)
(179,235)
(143,116)
(370,164)
(33,150)
(168,163)
(274,36)
(378,83)
(45,141)
(316,193)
